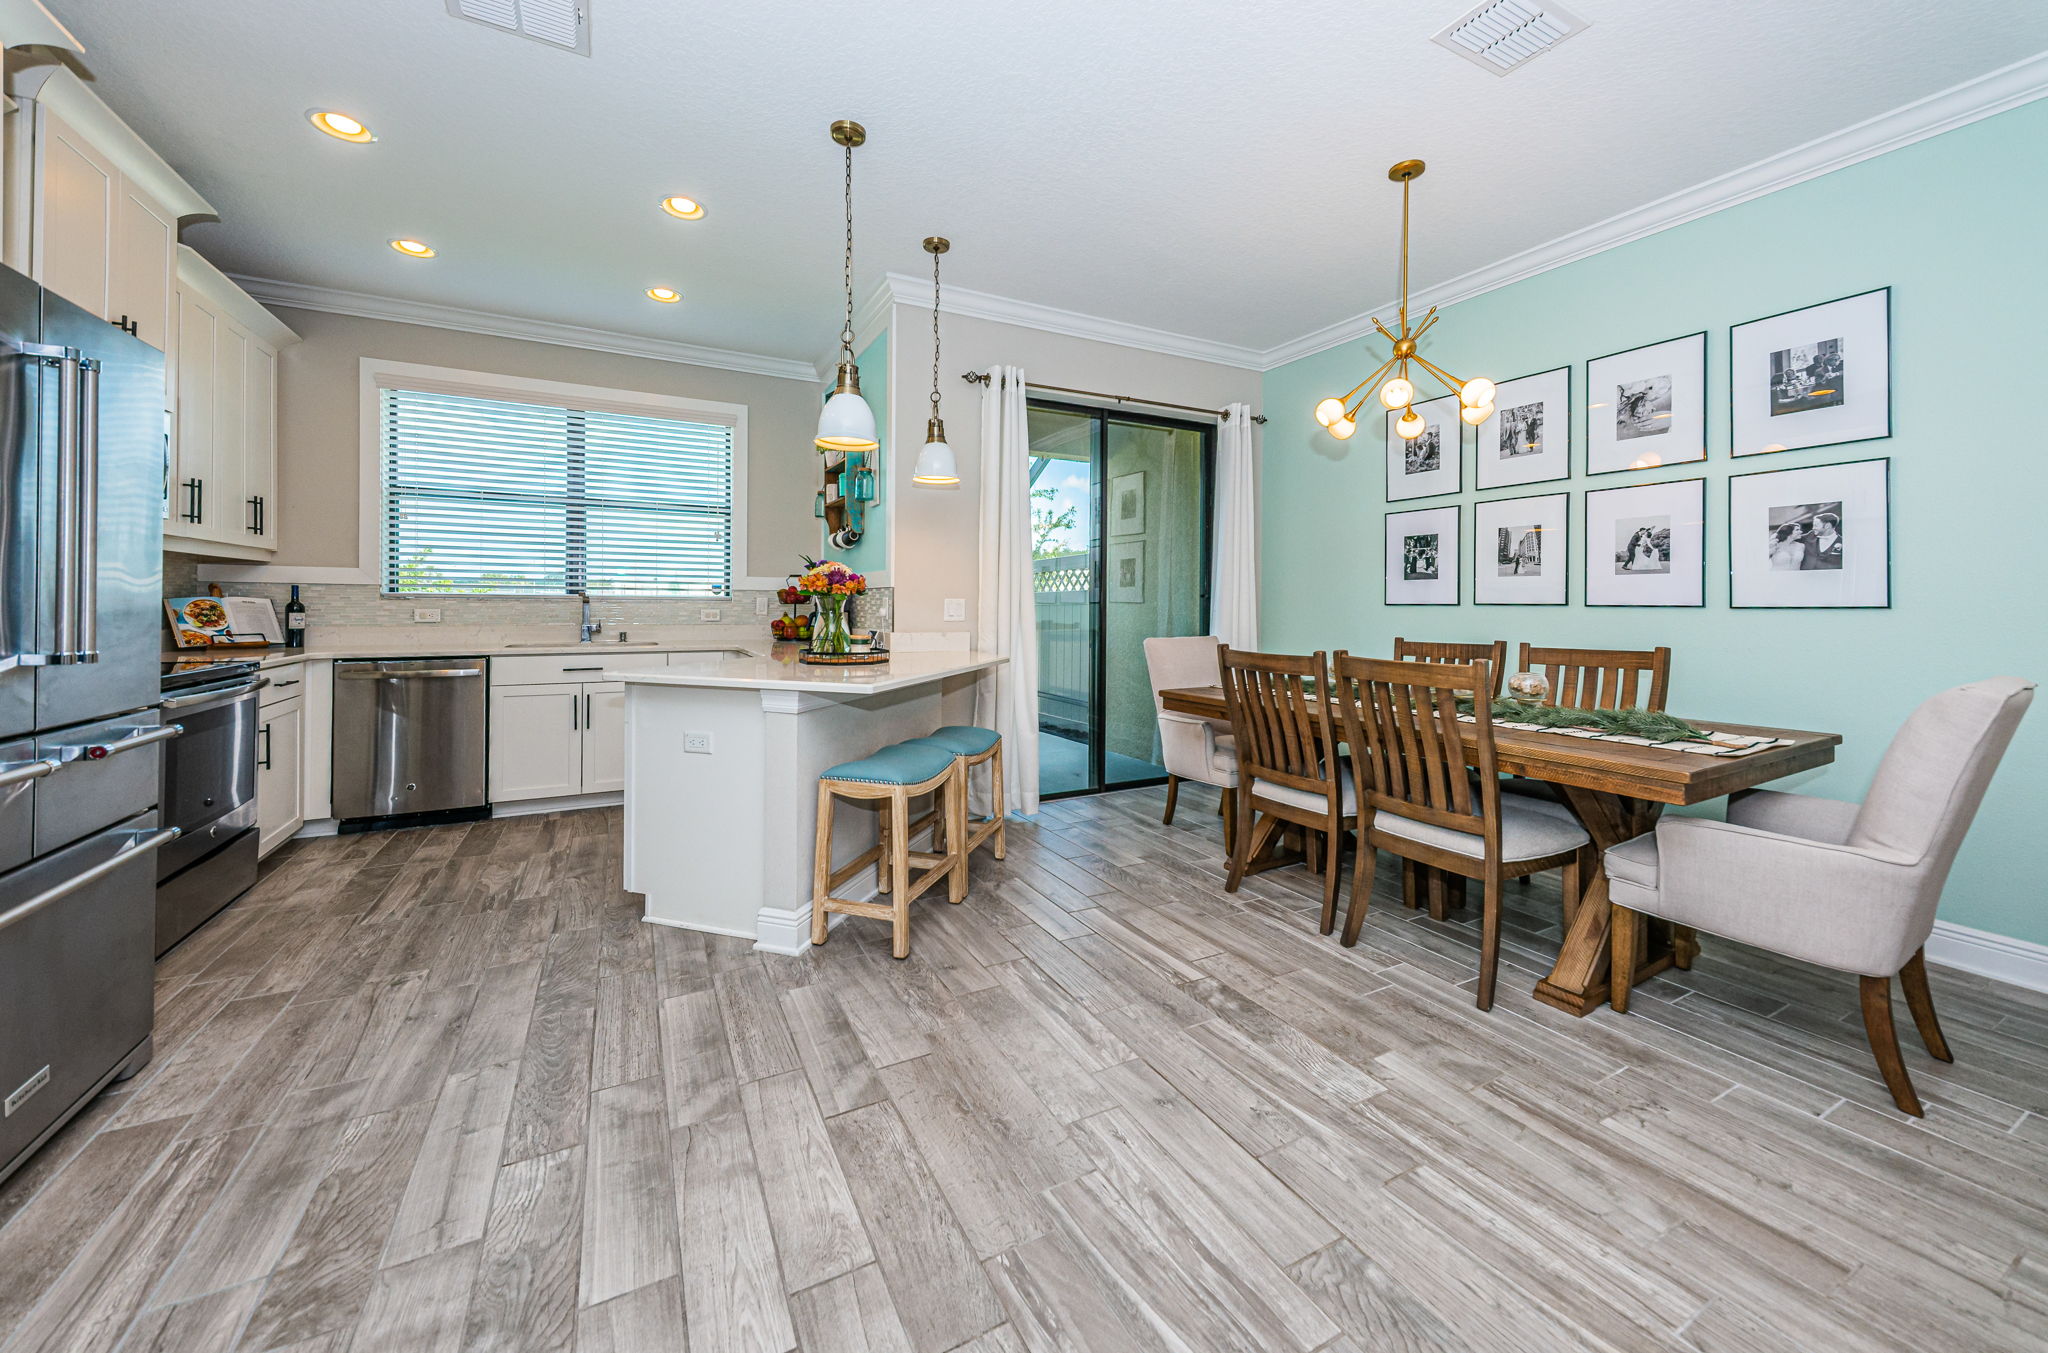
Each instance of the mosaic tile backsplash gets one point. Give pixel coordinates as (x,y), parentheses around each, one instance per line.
(332,606)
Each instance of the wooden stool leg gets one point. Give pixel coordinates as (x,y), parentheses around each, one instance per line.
(995,798)
(898,860)
(821,865)
(956,833)
(882,816)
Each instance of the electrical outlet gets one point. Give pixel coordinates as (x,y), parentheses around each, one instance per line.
(697,742)
(760,605)
(708,613)
(422,615)
(956,608)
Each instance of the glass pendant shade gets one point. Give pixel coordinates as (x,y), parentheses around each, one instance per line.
(1476,392)
(1475,414)
(1343,428)
(1410,425)
(935,463)
(846,423)
(1330,412)
(1397,392)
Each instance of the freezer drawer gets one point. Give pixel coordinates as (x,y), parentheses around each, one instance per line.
(408,736)
(109,770)
(76,977)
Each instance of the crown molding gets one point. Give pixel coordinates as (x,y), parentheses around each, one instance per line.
(300,296)
(2001,90)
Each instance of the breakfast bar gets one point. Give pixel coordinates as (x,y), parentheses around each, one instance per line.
(723,755)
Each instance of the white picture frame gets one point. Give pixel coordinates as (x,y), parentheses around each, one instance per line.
(1126,580)
(1422,557)
(1521,550)
(1813,538)
(1646,544)
(1529,438)
(1413,469)
(1819,376)
(1647,406)
(1127,504)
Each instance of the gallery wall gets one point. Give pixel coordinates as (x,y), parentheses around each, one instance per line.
(1952,225)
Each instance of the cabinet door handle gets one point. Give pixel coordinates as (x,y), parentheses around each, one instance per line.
(195,506)
(586,711)
(573,713)
(264,761)
(256,516)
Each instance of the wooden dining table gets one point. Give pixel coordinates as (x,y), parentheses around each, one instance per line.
(1617,790)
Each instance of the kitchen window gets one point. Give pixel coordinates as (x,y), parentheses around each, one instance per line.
(501,490)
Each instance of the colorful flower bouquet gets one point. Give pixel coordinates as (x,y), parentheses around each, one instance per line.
(830,583)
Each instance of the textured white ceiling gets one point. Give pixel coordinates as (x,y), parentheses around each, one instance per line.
(1209,167)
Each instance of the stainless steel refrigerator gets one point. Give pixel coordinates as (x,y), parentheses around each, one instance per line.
(81,555)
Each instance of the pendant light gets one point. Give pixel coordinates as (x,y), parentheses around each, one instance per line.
(935,464)
(847,424)
(1397,391)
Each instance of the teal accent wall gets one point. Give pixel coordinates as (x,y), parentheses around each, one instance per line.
(871,555)
(1953,225)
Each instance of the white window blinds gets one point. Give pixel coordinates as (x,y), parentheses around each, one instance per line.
(510,497)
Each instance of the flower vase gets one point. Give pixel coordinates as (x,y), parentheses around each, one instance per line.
(830,634)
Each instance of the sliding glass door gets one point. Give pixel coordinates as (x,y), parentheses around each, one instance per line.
(1120,517)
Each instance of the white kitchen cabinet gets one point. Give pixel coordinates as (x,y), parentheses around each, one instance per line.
(75,215)
(536,741)
(280,786)
(224,461)
(604,737)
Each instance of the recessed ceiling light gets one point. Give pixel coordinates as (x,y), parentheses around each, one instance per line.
(340,126)
(688,208)
(412,248)
(666,295)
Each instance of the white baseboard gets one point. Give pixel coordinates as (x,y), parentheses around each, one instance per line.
(568,803)
(2020,962)
(787,930)
(706,929)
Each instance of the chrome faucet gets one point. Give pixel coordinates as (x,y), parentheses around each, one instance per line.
(590,627)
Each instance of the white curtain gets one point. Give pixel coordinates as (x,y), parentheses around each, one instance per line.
(1006,699)
(1234,590)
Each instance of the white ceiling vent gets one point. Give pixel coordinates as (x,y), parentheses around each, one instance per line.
(1503,34)
(558,23)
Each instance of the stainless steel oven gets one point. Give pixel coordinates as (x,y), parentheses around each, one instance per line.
(209,794)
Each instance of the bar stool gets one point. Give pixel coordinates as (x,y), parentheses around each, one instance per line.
(890,778)
(974,746)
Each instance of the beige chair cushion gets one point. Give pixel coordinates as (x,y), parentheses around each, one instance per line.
(1634,862)
(1526,833)
(1302,798)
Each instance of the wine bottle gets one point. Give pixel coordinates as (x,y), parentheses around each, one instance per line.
(295,621)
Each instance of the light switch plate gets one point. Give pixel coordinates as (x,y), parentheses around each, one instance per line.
(423,615)
(760,605)
(956,608)
(697,742)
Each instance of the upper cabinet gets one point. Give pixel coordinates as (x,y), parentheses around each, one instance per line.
(91,211)
(223,491)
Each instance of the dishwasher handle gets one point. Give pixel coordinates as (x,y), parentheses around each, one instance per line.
(371,673)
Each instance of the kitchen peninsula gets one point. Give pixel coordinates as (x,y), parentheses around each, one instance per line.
(723,754)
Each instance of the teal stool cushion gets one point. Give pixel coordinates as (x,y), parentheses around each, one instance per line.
(907,763)
(965,739)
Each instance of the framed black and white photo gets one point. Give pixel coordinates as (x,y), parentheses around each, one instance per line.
(1646,545)
(1127,571)
(1529,438)
(1433,463)
(1814,377)
(1648,406)
(1127,497)
(1422,557)
(1519,550)
(1818,537)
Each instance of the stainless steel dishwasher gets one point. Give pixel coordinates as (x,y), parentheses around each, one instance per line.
(409,740)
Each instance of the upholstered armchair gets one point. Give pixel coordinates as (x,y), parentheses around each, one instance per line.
(1189,747)
(1847,886)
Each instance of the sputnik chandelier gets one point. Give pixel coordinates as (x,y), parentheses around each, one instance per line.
(1395,382)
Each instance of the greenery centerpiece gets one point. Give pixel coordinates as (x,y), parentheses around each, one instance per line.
(829,583)
(1631,723)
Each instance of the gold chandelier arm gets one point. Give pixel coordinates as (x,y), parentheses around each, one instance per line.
(1428,322)
(1369,383)
(1446,377)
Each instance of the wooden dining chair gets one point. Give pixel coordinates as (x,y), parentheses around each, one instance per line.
(1601,678)
(1495,655)
(1288,772)
(1416,800)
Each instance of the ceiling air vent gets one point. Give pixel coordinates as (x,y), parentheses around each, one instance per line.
(1504,34)
(558,23)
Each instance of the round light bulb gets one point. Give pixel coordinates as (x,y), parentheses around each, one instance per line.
(1397,392)
(1475,414)
(684,208)
(666,295)
(1330,411)
(1342,429)
(340,126)
(1410,425)
(1477,391)
(413,248)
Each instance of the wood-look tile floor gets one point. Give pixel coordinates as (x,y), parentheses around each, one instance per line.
(441,1090)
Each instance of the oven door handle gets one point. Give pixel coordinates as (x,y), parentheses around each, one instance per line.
(100,751)
(143,843)
(209,697)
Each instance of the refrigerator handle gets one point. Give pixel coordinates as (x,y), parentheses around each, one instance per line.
(88,560)
(138,844)
(65,649)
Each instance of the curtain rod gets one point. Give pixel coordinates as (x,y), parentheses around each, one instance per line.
(981,378)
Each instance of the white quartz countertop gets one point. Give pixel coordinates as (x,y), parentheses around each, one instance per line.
(782,672)
(278,656)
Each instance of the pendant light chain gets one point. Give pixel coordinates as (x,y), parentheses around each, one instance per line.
(935,334)
(846,334)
